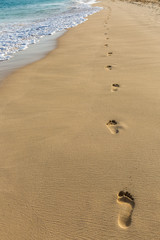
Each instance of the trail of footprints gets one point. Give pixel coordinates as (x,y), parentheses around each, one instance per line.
(124,199)
(112,125)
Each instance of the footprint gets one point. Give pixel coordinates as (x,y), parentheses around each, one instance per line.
(106,45)
(127,205)
(115,87)
(113,126)
(109,53)
(105,33)
(109,67)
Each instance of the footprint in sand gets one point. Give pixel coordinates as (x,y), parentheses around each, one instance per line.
(109,67)
(106,45)
(113,126)
(115,87)
(109,53)
(127,205)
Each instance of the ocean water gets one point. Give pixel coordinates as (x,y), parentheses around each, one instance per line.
(25,22)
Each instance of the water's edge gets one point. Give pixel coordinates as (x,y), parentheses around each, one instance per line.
(32,54)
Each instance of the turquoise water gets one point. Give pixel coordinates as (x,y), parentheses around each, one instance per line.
(30,9)
(25,22)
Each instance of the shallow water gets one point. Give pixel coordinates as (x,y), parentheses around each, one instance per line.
(25,22)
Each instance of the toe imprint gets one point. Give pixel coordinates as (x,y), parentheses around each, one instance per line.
(109,67)
(115,87)
(121,194)
(112,126)
(127,205)
(112,122)
(109,53)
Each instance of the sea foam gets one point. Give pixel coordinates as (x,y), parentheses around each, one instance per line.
(18,36)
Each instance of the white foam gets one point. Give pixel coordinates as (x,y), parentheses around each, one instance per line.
(15,37)
(30,55)
(88,2)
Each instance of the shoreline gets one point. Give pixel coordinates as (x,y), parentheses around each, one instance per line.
(79,133)
(23,58)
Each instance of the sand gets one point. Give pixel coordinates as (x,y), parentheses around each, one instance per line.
(60,167)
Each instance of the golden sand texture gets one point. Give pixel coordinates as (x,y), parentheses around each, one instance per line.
(60,167)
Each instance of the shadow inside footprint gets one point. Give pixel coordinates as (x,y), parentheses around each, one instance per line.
(115,87)
(109,67)
(109,53)
(106,45)
(113,126)
(127,205)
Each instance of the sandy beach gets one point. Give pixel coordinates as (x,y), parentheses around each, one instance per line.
(81,126)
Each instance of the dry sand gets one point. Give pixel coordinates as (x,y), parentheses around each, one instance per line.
(60,167)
